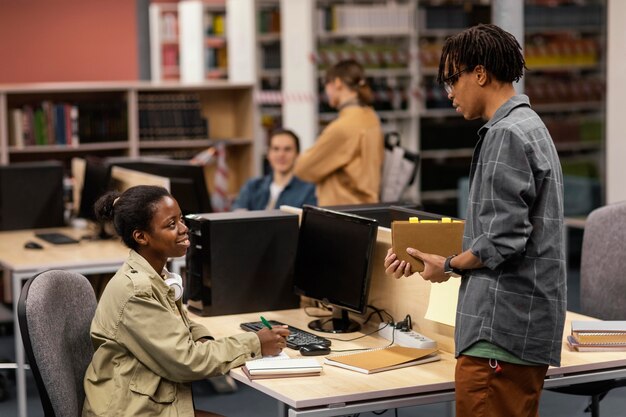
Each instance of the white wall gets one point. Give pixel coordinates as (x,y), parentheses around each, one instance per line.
(616,102)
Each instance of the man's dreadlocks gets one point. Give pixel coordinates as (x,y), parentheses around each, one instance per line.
(487,45)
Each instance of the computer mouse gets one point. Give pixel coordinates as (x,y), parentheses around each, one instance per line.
(32,245)
(314,350)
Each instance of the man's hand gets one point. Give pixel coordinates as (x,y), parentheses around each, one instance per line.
(396,268)
(433,265)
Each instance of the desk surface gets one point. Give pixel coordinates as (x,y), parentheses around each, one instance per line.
(14,257)
(338,386)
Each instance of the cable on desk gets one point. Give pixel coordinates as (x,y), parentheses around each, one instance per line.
(393,336)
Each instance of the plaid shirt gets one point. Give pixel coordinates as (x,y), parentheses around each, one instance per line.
(515,227)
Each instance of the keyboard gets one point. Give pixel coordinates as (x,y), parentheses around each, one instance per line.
(56,238)
(297,337)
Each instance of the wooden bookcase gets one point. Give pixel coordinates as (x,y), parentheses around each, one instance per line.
(227,106)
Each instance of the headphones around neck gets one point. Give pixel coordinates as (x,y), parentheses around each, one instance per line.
(175,282)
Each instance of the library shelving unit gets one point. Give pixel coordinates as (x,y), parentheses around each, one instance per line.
(112,117)
(446,143)
(268,63)
(381,36)
(563,44)
(566,82)
(164,42)
(188,40)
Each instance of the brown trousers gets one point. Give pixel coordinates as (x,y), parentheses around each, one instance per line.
(509,391)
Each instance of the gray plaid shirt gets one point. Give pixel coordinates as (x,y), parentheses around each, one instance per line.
(515,227)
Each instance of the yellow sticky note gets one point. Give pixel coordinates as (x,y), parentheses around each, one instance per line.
(414,220)
(429,221)
(446,220)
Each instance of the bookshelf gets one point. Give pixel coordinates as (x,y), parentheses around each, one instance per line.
(188,40)
(269,73)
(228,108)
(563,47)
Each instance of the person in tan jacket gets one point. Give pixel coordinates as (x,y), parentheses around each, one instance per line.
(346,160)
(147,350)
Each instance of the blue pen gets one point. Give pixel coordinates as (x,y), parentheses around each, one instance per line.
(266,323)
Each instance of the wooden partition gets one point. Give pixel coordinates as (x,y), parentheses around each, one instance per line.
(399,297)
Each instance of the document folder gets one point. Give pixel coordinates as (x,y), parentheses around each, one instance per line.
(443,238)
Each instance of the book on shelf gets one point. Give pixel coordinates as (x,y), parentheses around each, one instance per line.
(281,368)
(599,332)
(595,347)
(383,359)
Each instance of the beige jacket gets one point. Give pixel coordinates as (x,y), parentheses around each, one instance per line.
(346,160)
(147,350)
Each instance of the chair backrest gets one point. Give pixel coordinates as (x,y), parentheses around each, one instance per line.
(55,310)
(603,262)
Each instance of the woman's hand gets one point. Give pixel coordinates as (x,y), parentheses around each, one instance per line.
(273,340)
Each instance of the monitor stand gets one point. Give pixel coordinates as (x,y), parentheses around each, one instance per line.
(340,322)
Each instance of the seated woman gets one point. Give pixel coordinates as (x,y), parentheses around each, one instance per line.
(147,350)
(281,187)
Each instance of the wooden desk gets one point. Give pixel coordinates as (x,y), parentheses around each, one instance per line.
(339,391)
(18,264)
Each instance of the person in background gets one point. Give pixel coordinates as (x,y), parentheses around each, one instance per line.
(346,160)
(147,350)
(511,306)
(281,187)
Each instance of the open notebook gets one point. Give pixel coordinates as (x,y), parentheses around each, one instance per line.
(383,359)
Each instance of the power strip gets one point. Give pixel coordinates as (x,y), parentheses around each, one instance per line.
(406,339)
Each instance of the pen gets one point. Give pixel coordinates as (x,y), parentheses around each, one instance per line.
(266,323)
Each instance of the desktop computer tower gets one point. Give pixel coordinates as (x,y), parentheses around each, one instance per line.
(241,262)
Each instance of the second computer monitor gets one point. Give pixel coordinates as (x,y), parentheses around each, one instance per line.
(187,182)
(333,264)
(31,195)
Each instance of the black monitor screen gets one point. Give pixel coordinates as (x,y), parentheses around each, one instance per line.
(333,261)
(377,211)
(187,183)
(31,195)
(96,182)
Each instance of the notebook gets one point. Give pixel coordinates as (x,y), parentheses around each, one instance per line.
(263,369)
(597,347)
(429,236)
(383,359)
(599,332)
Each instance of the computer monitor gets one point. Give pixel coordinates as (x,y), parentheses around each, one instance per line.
(31,195)
(92,178)
(333,264)
(187,183)
(377,211)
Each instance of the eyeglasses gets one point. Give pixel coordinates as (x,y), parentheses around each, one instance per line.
(449,82)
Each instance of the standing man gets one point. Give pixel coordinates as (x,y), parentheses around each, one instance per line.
(511,306)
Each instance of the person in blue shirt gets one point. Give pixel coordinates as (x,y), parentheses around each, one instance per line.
(281,187)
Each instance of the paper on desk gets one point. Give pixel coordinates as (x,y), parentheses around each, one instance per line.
(281,355)
(442,301)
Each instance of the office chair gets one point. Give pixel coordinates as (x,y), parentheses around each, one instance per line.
(602,284)
(55,310)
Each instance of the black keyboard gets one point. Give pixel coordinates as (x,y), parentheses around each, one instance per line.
(56,238)
(297,337)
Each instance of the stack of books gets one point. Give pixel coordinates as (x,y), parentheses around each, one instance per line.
(598,336)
